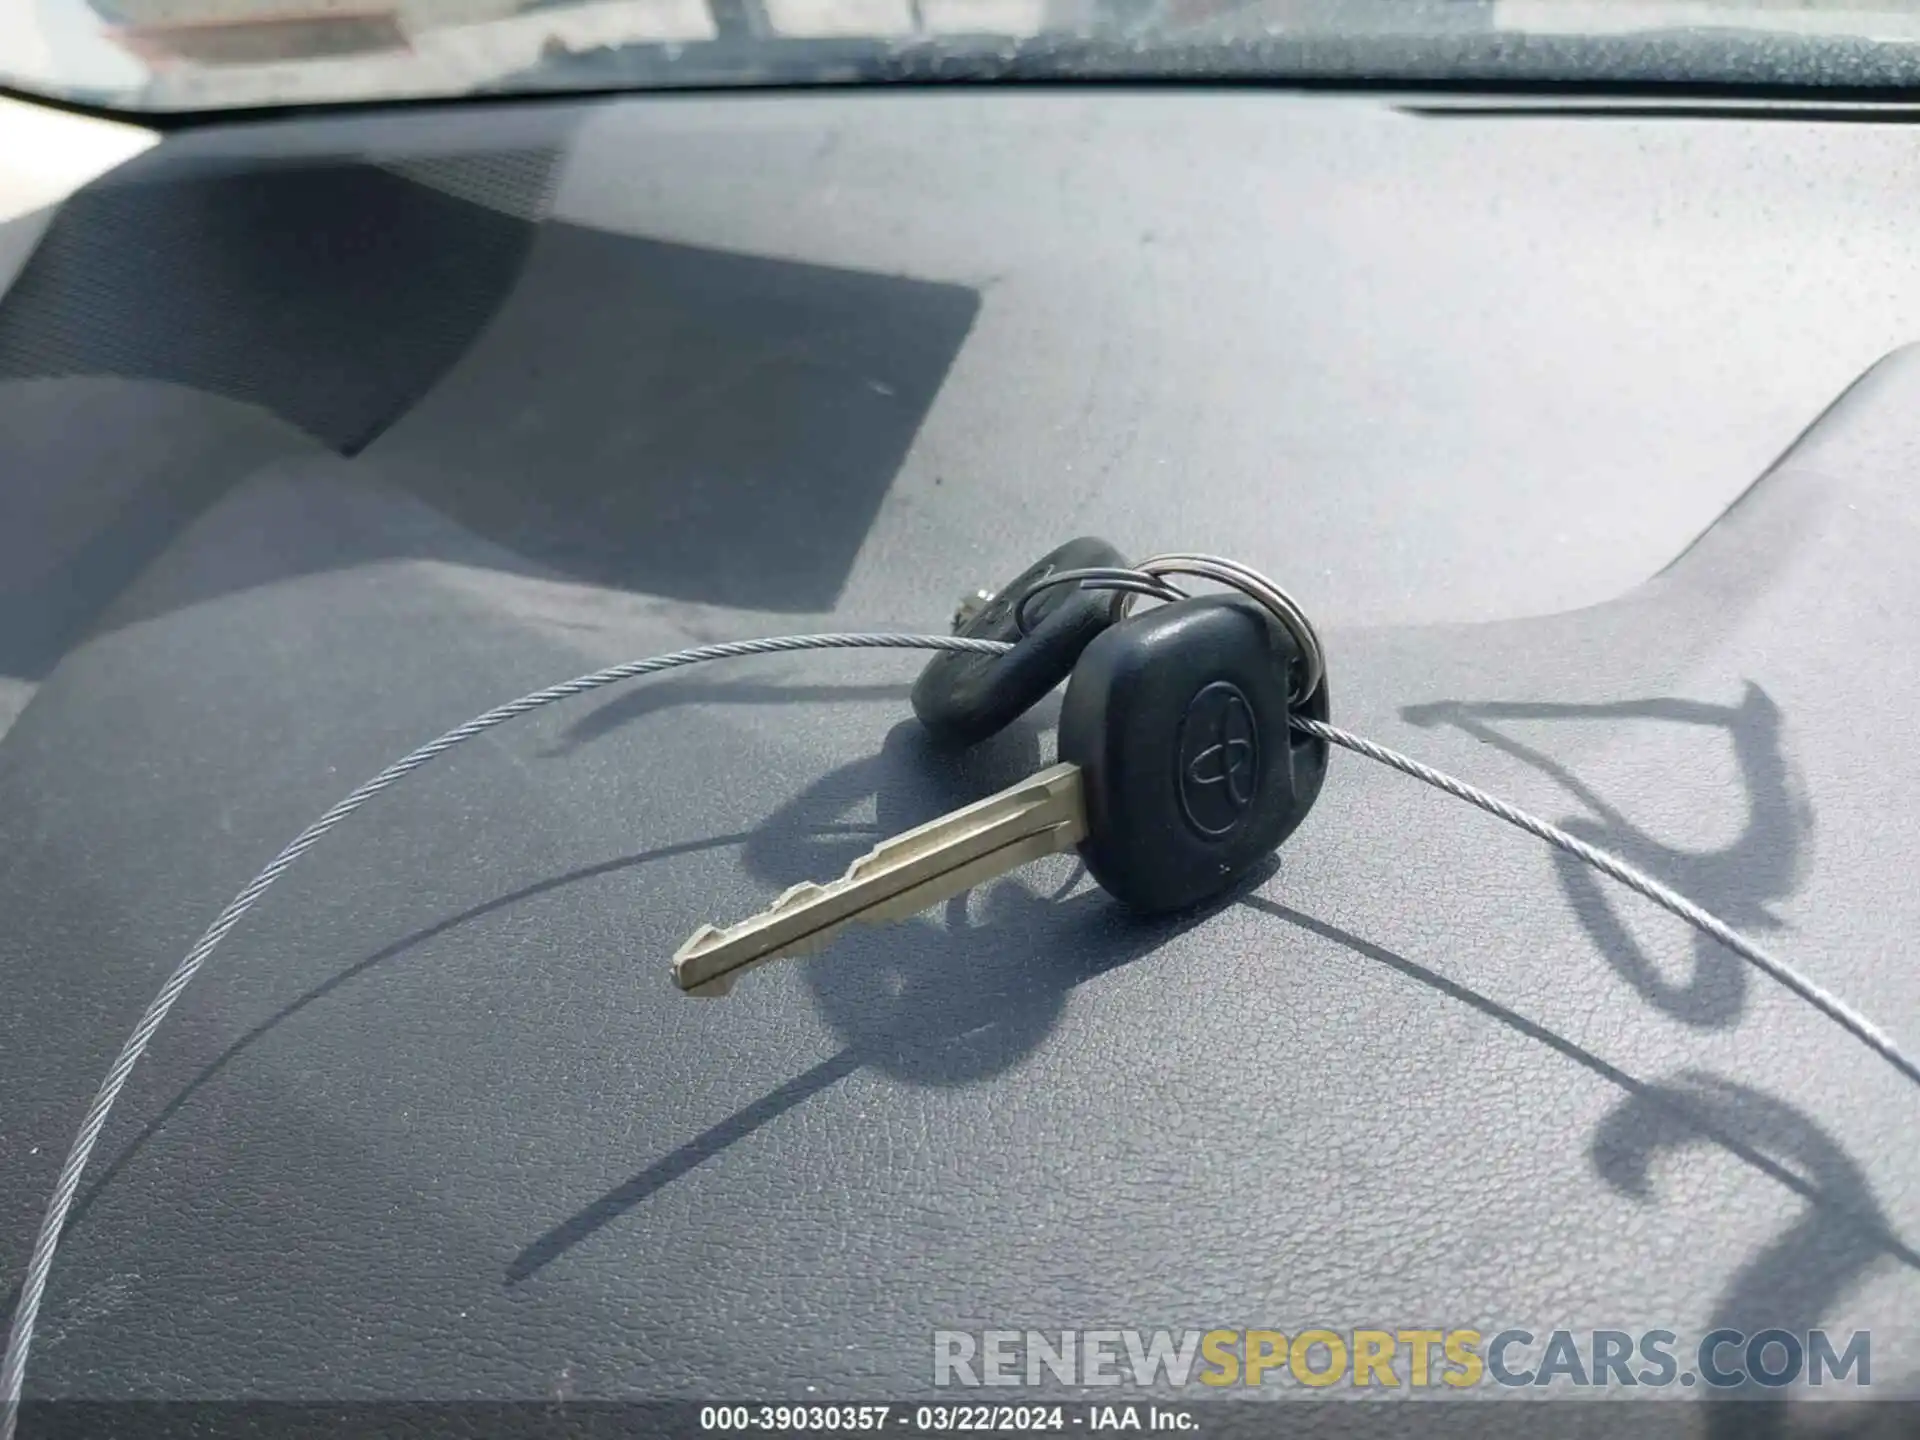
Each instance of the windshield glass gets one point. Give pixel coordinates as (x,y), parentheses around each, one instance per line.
(196,54)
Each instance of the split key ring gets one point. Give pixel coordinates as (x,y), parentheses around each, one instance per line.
(1148,578)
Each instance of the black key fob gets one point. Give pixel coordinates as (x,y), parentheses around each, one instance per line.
(962,699)
(1178,720)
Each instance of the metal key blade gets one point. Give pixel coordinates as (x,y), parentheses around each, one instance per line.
(920,868)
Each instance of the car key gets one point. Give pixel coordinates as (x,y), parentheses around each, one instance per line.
(1179,772)
(963,698)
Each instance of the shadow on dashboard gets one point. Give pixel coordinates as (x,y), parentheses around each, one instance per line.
(1741,880)
(1842,1236)
(1797,1281)
(919,1003)
(684,422)
(97,476)
(923,1004)
(804,829)
(599,407)
(333,292)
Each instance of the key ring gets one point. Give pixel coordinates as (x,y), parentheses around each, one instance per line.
(1128,580)
(1148,578)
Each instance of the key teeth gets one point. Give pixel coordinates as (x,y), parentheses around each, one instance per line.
(797,895)
(701,939)
(873,860)
(935,861)
(708,936)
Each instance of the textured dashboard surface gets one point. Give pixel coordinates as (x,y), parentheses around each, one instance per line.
(435,1124)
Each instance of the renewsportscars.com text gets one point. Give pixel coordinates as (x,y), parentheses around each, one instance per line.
(1413,1358)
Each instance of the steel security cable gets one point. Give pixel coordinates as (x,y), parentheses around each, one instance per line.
(1607,863)
(46,1244)
(13,1369)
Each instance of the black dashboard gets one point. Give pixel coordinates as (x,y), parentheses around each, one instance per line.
(1588,439)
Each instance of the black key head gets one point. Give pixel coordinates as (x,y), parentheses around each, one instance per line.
(962,699)
(1178,720)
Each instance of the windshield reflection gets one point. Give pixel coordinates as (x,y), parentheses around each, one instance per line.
(183,54)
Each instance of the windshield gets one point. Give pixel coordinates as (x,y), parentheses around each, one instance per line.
(170,55)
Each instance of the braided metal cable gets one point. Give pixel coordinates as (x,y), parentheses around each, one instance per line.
(40,1265)
(13,1370)
(1672,901)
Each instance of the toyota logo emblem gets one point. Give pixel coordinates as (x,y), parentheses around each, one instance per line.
(1219,759)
